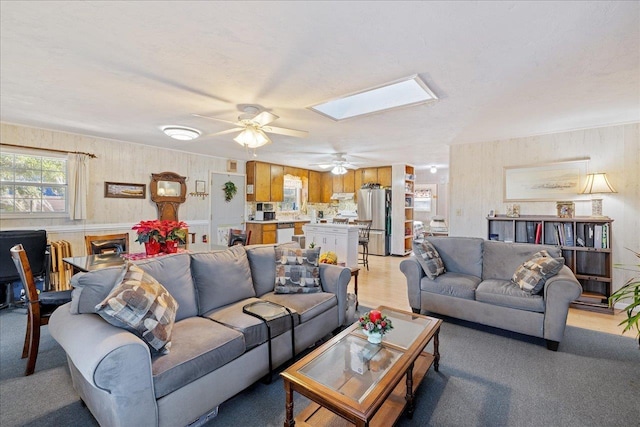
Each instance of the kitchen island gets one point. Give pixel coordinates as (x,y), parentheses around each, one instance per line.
(339,238)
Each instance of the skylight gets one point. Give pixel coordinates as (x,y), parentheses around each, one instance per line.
(400,93)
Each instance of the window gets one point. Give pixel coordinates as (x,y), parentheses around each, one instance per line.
(32,184)
(292,194)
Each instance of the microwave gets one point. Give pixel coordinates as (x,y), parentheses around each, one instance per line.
(265,216)
(265,207)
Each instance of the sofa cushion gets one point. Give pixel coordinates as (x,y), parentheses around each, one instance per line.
(297,271)
(507,294)
(429,258)
(174,272)
(142,305)
(261,261)
(452,284)
(253,328)
(89,289)
(501,259)
(533,273)
(221,278)
(307,306)
(199,346)
(460,254)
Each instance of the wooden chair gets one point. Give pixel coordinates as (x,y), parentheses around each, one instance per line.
(239,237)
(39,307)
(363,240)
(107,243)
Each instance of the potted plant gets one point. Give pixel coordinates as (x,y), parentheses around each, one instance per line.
(175,232)
(230,190)
(374,325)
(149,234)
(630,290)
(159,235)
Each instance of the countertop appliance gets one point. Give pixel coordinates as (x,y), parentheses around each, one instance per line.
(265,212)
(375,204)
(285,232)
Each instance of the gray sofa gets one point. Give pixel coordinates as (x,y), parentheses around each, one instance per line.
(477,287)
(217,350)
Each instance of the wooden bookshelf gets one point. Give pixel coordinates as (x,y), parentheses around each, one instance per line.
(402,196)
(585,242)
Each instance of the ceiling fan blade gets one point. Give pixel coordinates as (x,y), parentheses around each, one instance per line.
(285,131)
(218,120)
(264,118)
(224,132)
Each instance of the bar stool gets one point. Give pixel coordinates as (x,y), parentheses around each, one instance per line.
(363,240)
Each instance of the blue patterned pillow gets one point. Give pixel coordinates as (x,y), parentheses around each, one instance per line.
(429,258)
(297,271)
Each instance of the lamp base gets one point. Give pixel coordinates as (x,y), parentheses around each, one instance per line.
(596,207)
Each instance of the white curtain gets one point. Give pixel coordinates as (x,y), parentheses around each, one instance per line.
(78,185)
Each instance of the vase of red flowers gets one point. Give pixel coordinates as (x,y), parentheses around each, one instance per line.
(374,325)
(160,235)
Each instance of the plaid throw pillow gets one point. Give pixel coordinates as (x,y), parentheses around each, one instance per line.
(297,271)
(142,305)
(429,258)
(532,274)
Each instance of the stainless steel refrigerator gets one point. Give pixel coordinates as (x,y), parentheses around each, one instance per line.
(375,204)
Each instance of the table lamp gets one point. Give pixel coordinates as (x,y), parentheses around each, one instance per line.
(597,183)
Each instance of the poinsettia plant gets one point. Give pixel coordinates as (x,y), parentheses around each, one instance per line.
(161,231)
(375,321)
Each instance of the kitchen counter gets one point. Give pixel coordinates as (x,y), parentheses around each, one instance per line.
(275,221)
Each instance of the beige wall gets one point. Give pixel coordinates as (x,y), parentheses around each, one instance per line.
(118,161)
(476,181)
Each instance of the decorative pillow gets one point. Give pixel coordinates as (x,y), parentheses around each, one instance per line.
(142,305)
(532,274)
(297,271)
(429,258)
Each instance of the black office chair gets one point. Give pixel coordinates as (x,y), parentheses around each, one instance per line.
(34,243)
(363,240)
(39,306)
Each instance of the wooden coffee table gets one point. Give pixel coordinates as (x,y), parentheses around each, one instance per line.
(351,381)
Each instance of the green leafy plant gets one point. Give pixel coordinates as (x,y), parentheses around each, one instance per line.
(230,190)
(630,290)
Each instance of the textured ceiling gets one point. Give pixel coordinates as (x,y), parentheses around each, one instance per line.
(122,70)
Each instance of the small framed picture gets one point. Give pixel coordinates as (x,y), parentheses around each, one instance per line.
(201,187)
(125,190)
(565,209)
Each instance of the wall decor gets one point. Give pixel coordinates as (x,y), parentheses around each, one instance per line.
(230,190)
(125,190)
(545,182)
(168,190)
(201,190)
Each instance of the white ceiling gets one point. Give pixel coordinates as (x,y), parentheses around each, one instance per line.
(122,70)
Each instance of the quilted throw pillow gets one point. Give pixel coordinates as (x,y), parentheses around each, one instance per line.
(142,305)
(297,271)
(429,258)
(532,274)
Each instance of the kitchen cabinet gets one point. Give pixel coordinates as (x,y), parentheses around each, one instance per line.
(315,187)
(326,187)
(262,233)
(277,183)
(259,175)
(348,182)
(337,186)
(369,175)
(341,239)
(384,176)
(298,227)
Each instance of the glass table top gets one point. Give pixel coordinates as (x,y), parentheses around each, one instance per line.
(406,328)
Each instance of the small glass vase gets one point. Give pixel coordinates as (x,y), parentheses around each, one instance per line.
(170,247)
(373,337)
(152,247)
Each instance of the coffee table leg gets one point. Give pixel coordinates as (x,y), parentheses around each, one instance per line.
(436,350)
(409,396)
(288,391)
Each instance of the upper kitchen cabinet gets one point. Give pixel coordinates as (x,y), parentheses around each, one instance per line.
(369,175)
(259,176)
(277,183)
(384,176)
(348,182)
(315,187)
(326,188)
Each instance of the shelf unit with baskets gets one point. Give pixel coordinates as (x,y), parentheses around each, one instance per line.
(402,204)
(585,242)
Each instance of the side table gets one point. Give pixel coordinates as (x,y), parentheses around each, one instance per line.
(268,311)
(354,273)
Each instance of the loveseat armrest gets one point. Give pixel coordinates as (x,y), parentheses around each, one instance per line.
(559,291)
(111,368)
(335,279)
(414,273)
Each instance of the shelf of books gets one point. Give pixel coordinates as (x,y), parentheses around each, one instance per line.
(402,197)
(585,243)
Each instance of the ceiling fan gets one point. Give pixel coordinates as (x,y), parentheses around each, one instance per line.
(339,164)
(253,127)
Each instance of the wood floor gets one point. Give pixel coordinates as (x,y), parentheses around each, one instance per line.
(384,284)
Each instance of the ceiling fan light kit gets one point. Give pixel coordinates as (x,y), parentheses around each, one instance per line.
(181,133)
(251,137)
(339,170)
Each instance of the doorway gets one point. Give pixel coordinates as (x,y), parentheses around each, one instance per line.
(226,215)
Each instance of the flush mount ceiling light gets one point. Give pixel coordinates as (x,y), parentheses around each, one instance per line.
(339,170)
(400,93)
(180,132)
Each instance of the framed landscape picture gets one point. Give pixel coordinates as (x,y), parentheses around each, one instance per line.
(546,182)
(125,190)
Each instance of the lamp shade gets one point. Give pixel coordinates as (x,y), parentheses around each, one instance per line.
(597,183)
(339,170)
(252,138)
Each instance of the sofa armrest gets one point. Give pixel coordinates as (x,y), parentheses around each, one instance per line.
(559,291)
(114,366)
(414,274)
(335,279)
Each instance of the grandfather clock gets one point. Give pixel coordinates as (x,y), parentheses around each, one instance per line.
(168,190)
